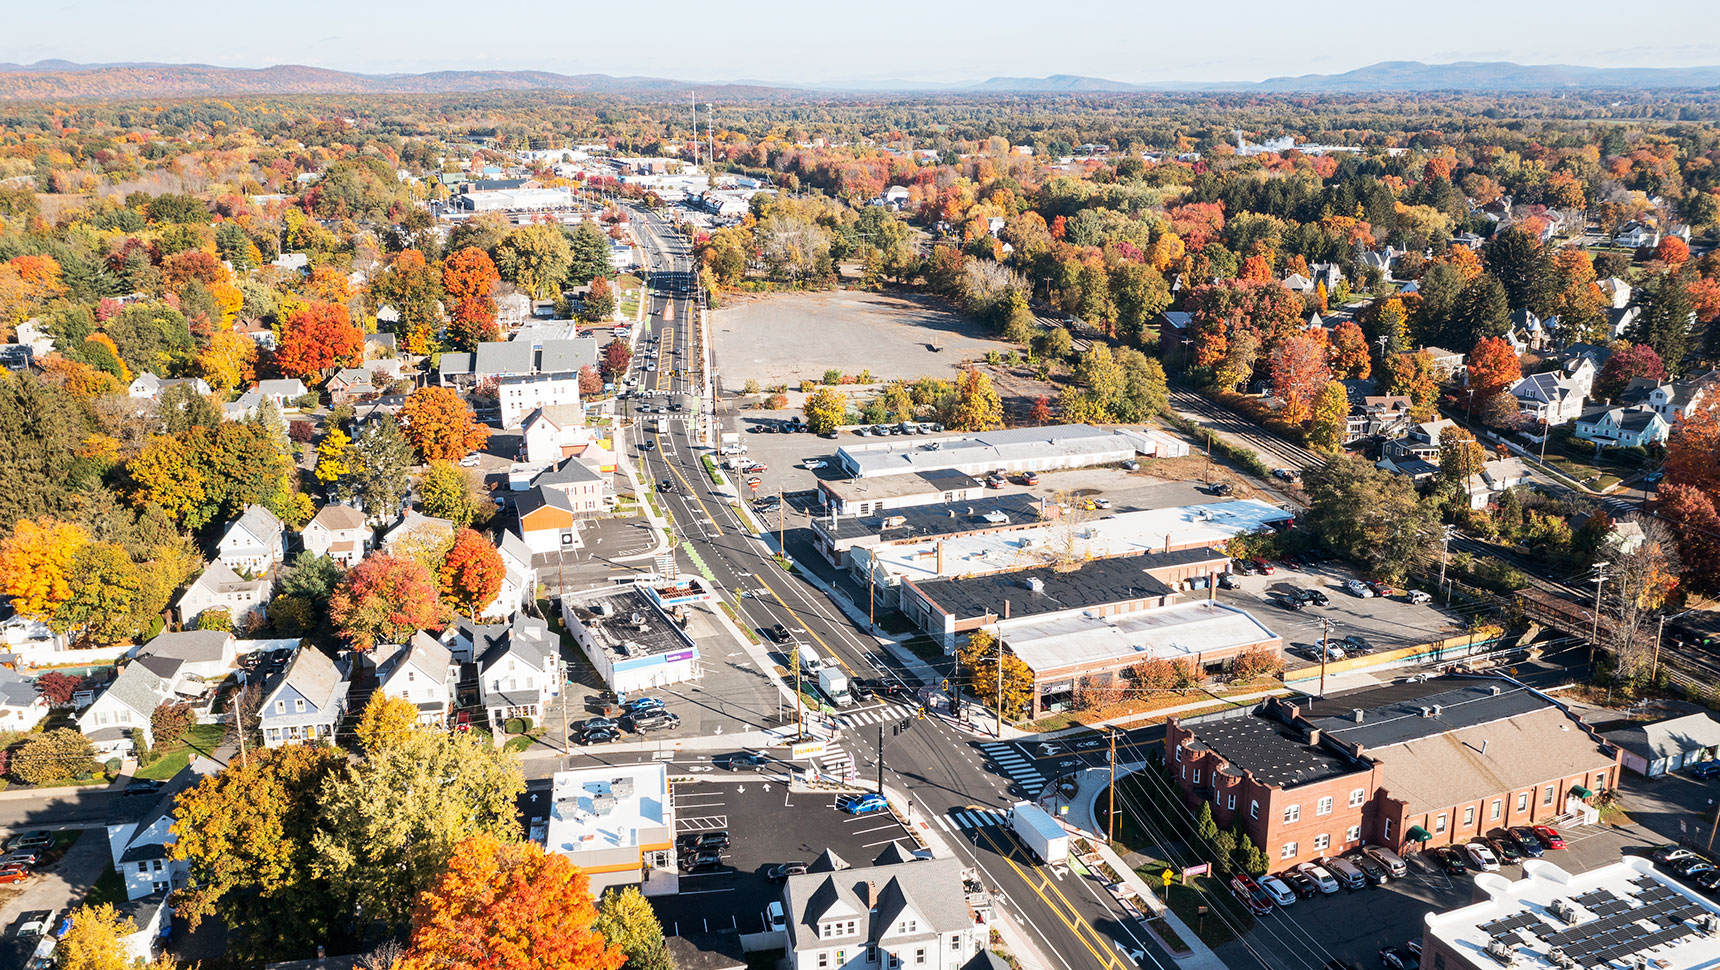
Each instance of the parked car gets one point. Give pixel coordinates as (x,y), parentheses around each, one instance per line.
(1358,644)
(14,874)
(1301,883)
(34,922)
(1708,881)
(20,858)
(144,787)
(1219,488)
(1393,958)
(1549,837)
(1670,853)
(1321,877)
(1685,867)
(1373,871)
(1130,465)
(1328,650)
(709,841)
(1228,581)
(757,466)
(994,482)
(782,872)
(1314,596)
(1286,474)
(1278,889)
(599,724)
(599,736)
(470,461)
(1705,769)
(1290,562)
(1527,842)
(1249,894)
(1480,857)
(703,862)
(1356,587)
(1451,860)
(654,720)
(1264,566)
(1029,478)
(30,840)
(1418,597)
(1245,566)
(1506,850)
(1380,589)
(866,804)
(638,704)
(1287,603)
(1392,862)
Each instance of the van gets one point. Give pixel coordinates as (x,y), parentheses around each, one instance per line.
(1346,873)
(808,657)
(1387,858)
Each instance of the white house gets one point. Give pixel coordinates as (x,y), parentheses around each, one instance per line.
(421,672)
(1669,399)
(521,394)
(1616,292)
(139,849)
(549,431)
(1653,748)
(416,527)
(147,386)
(519,582)
(1550,398)
(1622,427)
(219,587)
(519,669)
(1635,235)
(22,707)
(901,913)
(126,705)
(255,543)
(339,532)
(206,655)
(304,702)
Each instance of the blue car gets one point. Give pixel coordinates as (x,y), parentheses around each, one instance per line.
(643,704)
(1705,769)
(866,804)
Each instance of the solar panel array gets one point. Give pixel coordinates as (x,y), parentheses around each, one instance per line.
(1618,932)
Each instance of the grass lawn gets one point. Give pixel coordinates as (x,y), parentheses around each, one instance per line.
(109,888)
(202,739)
(1582,471)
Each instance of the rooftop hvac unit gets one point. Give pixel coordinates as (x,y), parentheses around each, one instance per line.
(1557,956)
(621,787)
(1035,584)
(1708,924)
(1494,690)
(603,804)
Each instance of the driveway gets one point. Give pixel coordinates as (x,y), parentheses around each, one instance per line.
(58,888)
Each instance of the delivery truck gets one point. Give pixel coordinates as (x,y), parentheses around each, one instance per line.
(1043,835)
(834,683)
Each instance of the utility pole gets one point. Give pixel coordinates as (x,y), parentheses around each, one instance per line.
(781,529)
(1325,650)
(880,757)
(1595,633)
(1711,828)
(1111,822)
(794,658)
(1654,667)
(1000,677)
(1444,551)
(871,594)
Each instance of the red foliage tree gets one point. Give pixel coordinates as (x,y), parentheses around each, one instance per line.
(1672,251)
(617,355)
(317,337)
(590,381)
(1637,360)
(57,687)
(1691,514)
(468,277)
(1492,367)
(1041,413)
(471,573)
(385,599)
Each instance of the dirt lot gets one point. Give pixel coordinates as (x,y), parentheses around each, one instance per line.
(786,338)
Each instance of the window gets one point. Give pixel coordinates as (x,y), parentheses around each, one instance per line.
(1387,833)
(1323,806)
(895,961)
(1523,801)
(849,929)
(1253,809)
(1179,753)
(1321,841)
(281,707)
(1439,824)
(142,867)
(906,926)
(1356,797)
(157,865)
(1498,805)
(1353,834)
(823,959)
(1289,851)
(955,944)
(1185,771)
(1292,813)
(841,957)
(1468,817)
(1600,780)
(920,957)
(1438,961)
(1547,796)
(298,705)
(1230,803)
(1197,776)
(871,953)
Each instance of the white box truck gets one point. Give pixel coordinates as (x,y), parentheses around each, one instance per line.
(1043,835)
(834,683)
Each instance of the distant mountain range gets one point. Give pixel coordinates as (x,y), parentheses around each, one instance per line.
(54,79)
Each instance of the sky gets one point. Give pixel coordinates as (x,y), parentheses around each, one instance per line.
(811,41)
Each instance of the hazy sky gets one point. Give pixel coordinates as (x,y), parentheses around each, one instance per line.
(819,40)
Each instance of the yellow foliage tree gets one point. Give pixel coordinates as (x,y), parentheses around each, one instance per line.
(386,721)
(95,940)
(35,564)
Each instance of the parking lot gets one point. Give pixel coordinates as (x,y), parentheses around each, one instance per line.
(767,826)
(1353,925)
(1385,622)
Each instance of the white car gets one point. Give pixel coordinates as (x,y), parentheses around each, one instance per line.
(1321,877)
(1356,587)
(470,461)
(1277,889)
(1331,648)
(1481,857)
(812,464)
(778,922)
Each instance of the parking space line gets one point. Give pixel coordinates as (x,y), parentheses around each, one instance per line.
(874,845)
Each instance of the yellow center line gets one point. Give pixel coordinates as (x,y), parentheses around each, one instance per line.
(802,624)
(1102,953)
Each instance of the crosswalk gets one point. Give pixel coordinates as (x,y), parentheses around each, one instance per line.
(882,714)
(1011,762)
(971,818)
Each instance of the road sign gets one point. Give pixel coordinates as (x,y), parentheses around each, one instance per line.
(1199,870)
(1168,877)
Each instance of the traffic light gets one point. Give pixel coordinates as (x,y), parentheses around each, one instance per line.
(946,683)
(922,714)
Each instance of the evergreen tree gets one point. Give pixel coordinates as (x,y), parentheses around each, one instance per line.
(1664,322)
(1482,311)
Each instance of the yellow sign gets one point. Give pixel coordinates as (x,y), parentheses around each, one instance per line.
(806,749)
(1168,877)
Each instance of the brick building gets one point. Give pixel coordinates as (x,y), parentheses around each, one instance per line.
(1406,766)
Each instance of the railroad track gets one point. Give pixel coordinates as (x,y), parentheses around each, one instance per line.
(1220,418)
(1523,564)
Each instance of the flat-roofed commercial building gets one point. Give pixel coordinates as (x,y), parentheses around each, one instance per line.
(1013,450)
(835,536)
(865,496)
(616,823)
(1624,914)
(630,634)
(1408,766)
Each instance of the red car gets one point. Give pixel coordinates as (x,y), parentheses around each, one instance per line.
(13,874)
(1549,838)
(1249,893)
(757,466)
(1264,566)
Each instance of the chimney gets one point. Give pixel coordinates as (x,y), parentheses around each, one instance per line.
(1314,737)
(1211,586)
(940,557)
(1357,714)
(871,895)
(1006,609)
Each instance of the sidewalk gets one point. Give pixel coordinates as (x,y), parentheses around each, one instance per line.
(919,668)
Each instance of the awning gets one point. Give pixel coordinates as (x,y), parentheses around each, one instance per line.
(1419,834)
(1581,792)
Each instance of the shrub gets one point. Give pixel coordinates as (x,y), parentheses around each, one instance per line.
(806,387)
(831,376)
(776,402)
(216,618)
(514,725)
(301,431)
(1259,662)
(525,725)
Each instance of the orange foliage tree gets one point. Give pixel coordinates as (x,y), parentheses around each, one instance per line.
(468,276)
(471,573)
(1299,372)
(35,565)
(441,425)
(1693,450)
(1348,352)
(316,337)
(1672,251)
(1492,366)
(508,906)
